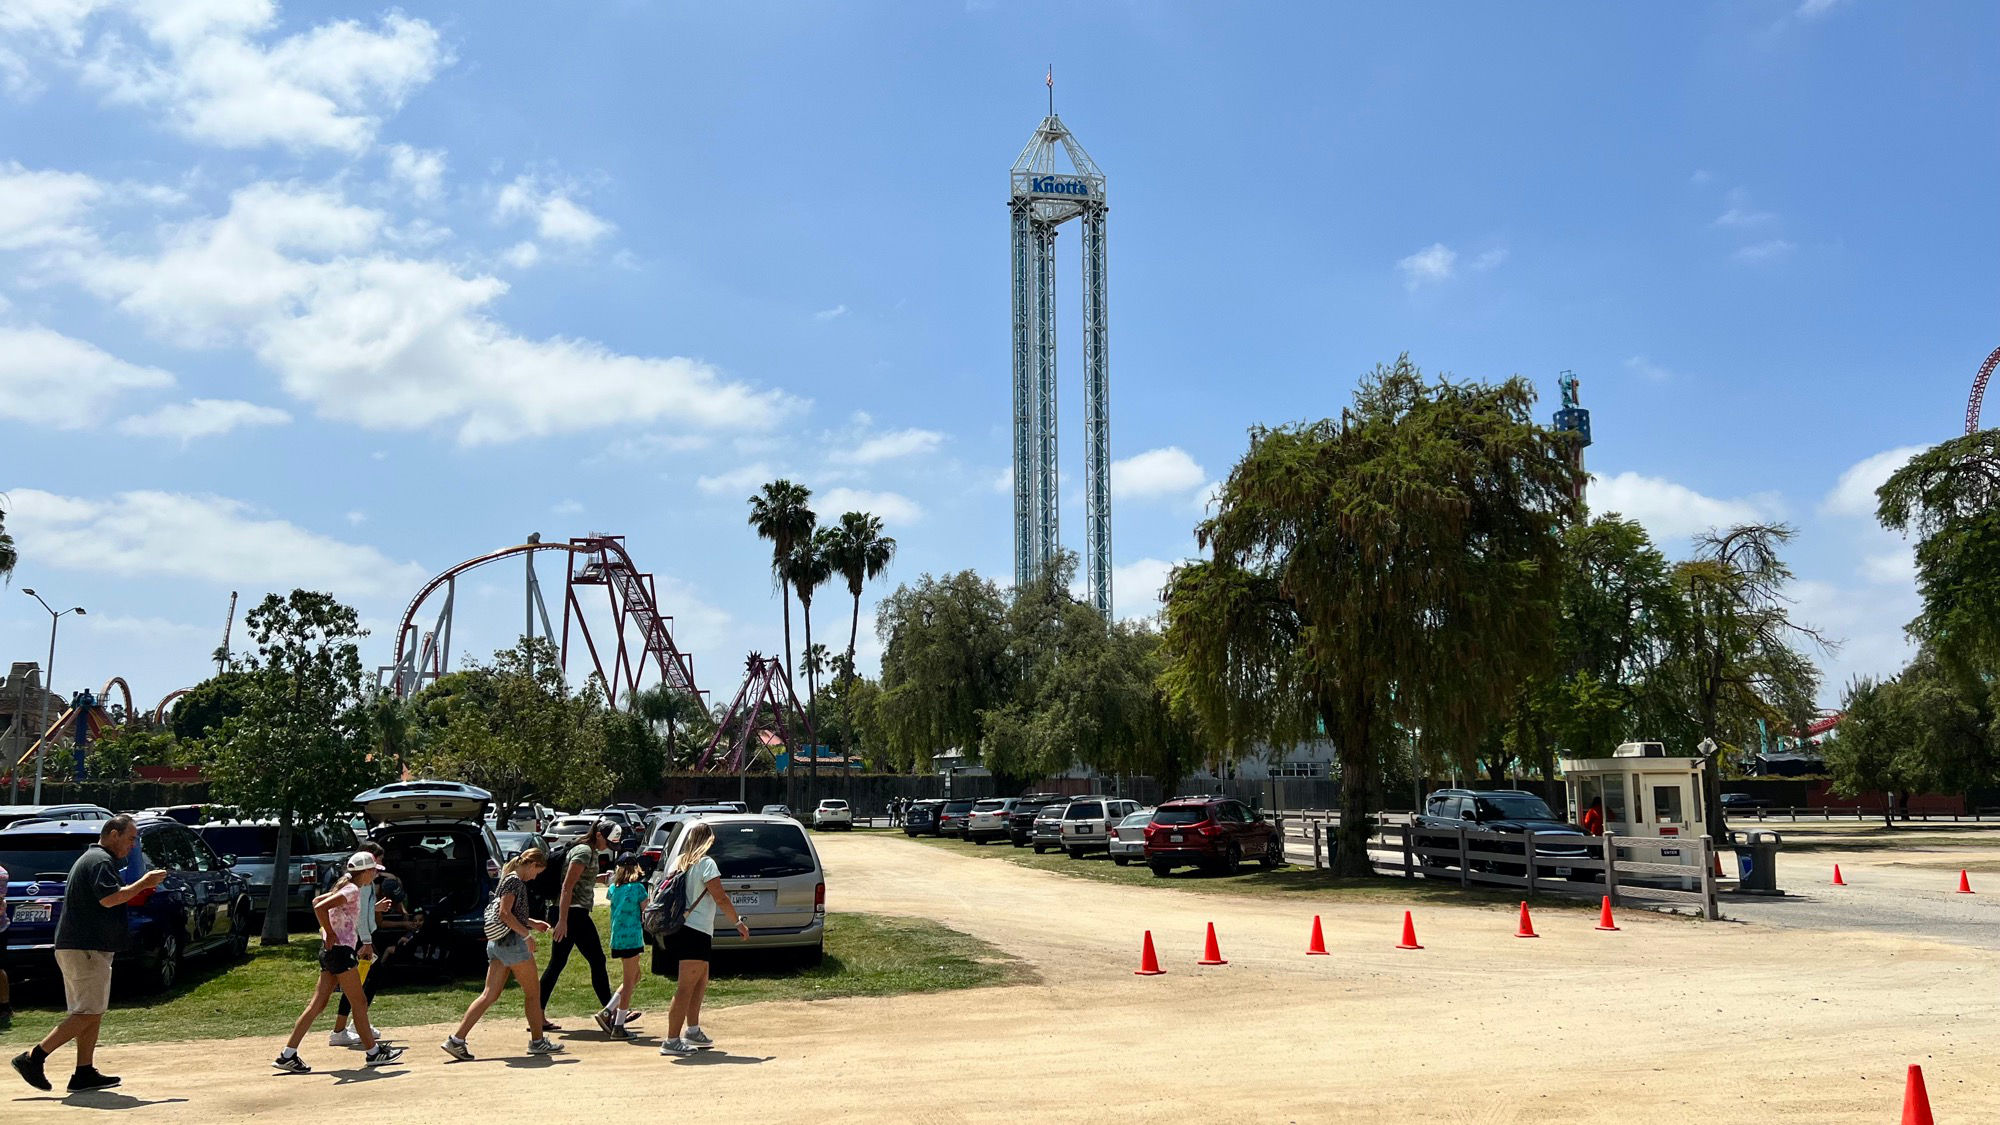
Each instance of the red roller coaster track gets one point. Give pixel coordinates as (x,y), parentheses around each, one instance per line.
(639,635)
(1979,391)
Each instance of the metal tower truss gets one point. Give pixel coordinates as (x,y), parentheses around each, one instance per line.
(1042,199)
(769,699)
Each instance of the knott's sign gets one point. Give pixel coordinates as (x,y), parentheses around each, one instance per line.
(1059,185)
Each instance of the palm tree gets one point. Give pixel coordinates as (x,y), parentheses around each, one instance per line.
(664,704)
(859,552)
(809,568)
(779,513)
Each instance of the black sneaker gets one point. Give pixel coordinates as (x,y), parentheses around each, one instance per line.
(30,1069)
(291,1064)
(382,1055)
(87,1078)
(457,1048)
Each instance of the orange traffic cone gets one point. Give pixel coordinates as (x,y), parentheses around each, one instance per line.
(1409,933)
(1964,884)
(1149,962)
(1212,954)
(1317,946)
(1604,921)
(1527,928)
(1837,880)
(1916,1103)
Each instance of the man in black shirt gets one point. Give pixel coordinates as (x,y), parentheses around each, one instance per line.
(90,932)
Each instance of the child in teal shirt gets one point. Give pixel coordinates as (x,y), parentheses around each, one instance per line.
(628,899)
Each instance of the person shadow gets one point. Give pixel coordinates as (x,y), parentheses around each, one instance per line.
(103,1099)
(358,1075)
(721,1058)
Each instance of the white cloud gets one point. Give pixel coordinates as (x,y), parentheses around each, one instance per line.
(1854,493)
(205,538)
(566,508)
(522,254)
(1759,253)
(1206,499)
(740,481)
(419,170)
(357,517)
(834,313)
(1136,587)
(1432,264)
(1701,177)
(1671,511)
(889,446)
(1003,481)
(1645,368)
(299,276)
(1156,472)
(1893,568)
(1741,213)
(893,508)
(44,208)
(557,217)
(1813,9)
(216,74)
(64,383)
(1491,259)
(200,418)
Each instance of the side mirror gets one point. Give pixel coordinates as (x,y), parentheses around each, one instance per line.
(229,861)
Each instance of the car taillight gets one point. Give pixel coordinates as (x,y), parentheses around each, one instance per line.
(1210,828)
(653,853)
(309,873)
(1670,831)
(819,899)
(492,868)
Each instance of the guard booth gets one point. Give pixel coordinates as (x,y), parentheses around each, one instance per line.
(1645,793)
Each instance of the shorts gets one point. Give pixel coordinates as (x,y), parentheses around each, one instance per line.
(510,951)
(86,975)
(337,959)
(689,944)
(621,954)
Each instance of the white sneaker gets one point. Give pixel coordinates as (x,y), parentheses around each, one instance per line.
(677,1047)
(348,1038)
(698,1039)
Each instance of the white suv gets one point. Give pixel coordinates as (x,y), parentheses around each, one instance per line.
(988,819)
(1087,822)
(833,813)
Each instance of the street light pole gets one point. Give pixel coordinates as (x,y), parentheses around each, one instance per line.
(48,684)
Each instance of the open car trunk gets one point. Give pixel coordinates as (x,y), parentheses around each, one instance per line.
(443,869)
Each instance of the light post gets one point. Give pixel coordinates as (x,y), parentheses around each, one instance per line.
(48,681)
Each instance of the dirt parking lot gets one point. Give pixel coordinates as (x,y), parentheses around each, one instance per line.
(1669,1019)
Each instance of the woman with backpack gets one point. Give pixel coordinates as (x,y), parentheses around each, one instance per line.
(700,880)
(628,939)
(339,912)
(510,950)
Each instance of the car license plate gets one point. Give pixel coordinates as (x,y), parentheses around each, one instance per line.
(32,912)
(744,898)
(1175,837)
(1562,872)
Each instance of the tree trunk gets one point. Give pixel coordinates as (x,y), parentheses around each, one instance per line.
(1356,761)
(277,921)
(812,785)
(785,595)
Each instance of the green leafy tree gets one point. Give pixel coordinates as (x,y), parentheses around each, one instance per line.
(298,751)
(207,705)
(117,755)
(1392,570)
(810,567)
(515,729)
(859,553)
(780,513)
(671,711)
(944,663)
(1871,752)
(1949,497)
(1733,657)
(1929,729)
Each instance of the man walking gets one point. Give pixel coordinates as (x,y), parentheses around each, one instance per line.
(91,931)
(574,928)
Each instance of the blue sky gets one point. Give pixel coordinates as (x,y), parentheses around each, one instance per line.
(337,295)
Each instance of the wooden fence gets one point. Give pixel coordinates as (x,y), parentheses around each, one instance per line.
(1677,870)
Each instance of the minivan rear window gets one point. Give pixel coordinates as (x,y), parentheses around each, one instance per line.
(28,858)
(1084,810)
(989,806)
(958,808)
(1181,814)
(761,851)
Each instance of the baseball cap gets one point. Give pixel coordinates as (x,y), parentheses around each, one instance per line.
(362,861)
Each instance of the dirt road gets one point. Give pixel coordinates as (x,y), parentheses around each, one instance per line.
(1668,1019)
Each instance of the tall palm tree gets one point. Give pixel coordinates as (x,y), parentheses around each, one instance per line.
(860,552)
(779,513)
(810,567)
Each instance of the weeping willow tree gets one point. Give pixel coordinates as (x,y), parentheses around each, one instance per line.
(1387,575)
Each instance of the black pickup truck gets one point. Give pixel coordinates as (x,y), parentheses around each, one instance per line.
(1511,811)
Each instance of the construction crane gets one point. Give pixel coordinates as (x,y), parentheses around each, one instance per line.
(228,622)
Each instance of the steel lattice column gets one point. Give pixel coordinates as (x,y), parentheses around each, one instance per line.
(1096,413)
(1024,395)
(1048,497)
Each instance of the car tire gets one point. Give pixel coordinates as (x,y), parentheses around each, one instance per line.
(981,841)
(1121,860)
(165,968)
(239,930)
(1274,854)
(1040,850)
(810,958)
(1160,870)
(1232,860)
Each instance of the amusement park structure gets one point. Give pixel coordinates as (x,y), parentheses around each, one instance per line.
(1042,200)
(1573,419)
(637,641)
(761,704)
(1978,398)
(85,719)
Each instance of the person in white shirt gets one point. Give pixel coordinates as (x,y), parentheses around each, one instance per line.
(692,943)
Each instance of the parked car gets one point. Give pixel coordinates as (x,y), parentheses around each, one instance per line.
(528,816)
(1087,821)
(1513,811)
(202,907)
(660,834)
(1744,802)
(921,819)
(317,855)
(951,818)
(14,814)
(831,813)
(1021,818)
(775,881)
(514,843)
(1128,839)
(1047,830)
(434,838)
(712,807)
(1212,832)
(777,810)
(987,819)
(635,814)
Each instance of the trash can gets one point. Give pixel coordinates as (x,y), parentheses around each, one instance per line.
(1756,861)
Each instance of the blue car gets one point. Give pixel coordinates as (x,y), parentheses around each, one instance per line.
(203,907)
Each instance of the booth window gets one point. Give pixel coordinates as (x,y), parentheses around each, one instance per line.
(1667,804)
(1614,798)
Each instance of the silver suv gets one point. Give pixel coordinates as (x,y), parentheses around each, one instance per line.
(1047,832)
(1087,822)
(774,878)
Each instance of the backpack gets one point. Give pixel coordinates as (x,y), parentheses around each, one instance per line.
(666,910)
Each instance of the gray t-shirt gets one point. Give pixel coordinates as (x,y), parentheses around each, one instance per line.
(87,923)
(584,894)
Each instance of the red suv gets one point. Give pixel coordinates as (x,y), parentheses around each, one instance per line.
(1215,833)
